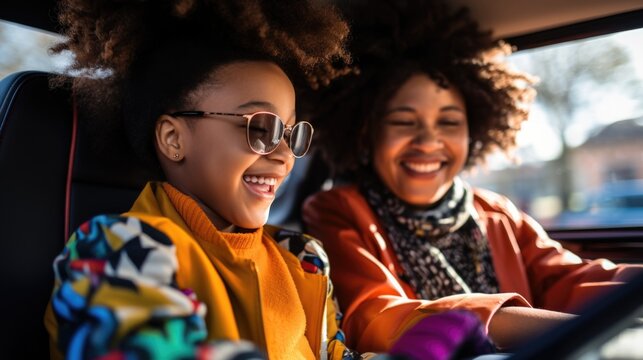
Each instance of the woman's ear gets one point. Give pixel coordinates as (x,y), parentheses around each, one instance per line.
(170,137)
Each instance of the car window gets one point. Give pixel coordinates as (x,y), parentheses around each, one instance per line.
(581,152)
(25,48)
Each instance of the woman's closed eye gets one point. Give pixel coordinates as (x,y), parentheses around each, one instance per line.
(402,122)
(450,122)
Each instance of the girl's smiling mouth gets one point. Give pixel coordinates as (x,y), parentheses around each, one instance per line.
(263,186)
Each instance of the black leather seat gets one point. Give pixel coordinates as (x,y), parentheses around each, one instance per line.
(51,180)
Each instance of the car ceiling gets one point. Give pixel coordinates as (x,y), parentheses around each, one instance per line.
(508,18)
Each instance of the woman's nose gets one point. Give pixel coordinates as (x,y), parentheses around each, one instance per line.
(427,136)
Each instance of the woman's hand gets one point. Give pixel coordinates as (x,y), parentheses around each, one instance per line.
(512,325)
(627,273)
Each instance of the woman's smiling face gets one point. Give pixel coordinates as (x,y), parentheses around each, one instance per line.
(218,168)
(423,142)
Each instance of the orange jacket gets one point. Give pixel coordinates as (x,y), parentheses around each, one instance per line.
(378,306)
(198,258)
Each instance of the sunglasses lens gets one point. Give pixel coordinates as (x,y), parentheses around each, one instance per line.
(264,132)
(300,138)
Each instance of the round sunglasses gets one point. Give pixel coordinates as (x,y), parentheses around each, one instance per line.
(264,131)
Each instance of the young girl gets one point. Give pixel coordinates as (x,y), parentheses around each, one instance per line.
(204,91)
(407,236)
(205,95)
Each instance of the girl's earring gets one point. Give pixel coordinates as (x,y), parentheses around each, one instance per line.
(176,156)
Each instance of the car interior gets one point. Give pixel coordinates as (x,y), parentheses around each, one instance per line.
(52,178)
(68,183)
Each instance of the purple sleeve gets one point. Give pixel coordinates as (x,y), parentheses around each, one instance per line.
(440,336)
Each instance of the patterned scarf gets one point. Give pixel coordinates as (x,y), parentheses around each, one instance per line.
(442,249)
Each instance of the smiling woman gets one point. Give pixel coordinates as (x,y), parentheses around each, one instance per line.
(406,235)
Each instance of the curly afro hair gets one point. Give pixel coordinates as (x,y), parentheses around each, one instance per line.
(137,59)
(393,40)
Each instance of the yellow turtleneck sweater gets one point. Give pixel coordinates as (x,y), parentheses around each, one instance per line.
(281,311)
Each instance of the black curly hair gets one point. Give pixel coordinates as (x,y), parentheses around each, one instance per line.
(393,40)
(137,59)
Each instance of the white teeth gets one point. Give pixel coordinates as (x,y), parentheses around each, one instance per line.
(260,180)
(423,167)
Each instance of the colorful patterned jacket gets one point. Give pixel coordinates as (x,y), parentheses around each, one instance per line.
(142,286)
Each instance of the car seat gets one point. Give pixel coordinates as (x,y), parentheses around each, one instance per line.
(51,180)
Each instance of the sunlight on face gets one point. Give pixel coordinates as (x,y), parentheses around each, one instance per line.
(423,143)
(232,181)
